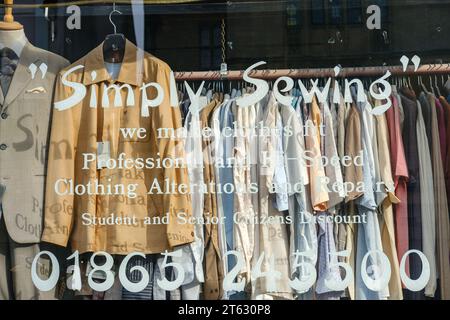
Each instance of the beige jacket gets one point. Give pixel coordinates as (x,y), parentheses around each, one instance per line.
(24,123)
(77,131)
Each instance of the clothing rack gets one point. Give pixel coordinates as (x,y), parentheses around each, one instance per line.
(273,74)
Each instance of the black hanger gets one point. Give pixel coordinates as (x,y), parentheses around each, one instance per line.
(114,44)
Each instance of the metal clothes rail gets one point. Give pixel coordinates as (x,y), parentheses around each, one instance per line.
(426,69)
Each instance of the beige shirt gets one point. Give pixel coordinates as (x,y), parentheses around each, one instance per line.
(319,194)
(245,213)
(354,175)
(353,147)
(77,130)
(213,267)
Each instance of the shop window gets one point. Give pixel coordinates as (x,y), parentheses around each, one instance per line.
(292,13)
(354,11)
(210,46)
(384,8)
(318,12)
(335,8)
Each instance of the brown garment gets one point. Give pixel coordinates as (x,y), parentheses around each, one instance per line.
(213,266)
(354,175)
(446,164)
(353,147)
(77,131)
(442,219)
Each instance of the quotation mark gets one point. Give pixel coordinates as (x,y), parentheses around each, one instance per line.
(405,61)
(33,69)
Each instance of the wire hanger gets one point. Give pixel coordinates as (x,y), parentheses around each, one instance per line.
(423,85)
(431,86)
(114,10)
(436,85)
(114,44)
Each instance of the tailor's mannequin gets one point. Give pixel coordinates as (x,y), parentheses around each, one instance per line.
(13,39)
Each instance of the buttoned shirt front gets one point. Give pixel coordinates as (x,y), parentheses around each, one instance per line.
(76,131)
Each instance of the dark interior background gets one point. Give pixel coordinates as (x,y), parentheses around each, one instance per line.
(285,34)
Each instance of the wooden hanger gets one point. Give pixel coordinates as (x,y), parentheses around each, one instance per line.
(8,22)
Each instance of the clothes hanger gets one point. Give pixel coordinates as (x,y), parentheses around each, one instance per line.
(436,84)
(114,44)
(431,86)
(438,89)
(8,23)
(409,83)
(424,88)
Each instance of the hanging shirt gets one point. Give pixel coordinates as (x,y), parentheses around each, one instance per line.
(446,107)
(442,129)
(442,221)
(387,222)
(427,202)
(400,175)
(280,178)
(333,167)
(271,230)
(213,267)
(327,247)
(8,65)
(245,213)
(414,189)
(319,194)
(303,235)
(90,124)
(368,231)
(192,255)
(352,174)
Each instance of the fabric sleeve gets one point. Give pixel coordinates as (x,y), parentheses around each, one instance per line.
(59,208)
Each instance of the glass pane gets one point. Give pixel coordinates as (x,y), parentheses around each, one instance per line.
(354,11)
(317,12)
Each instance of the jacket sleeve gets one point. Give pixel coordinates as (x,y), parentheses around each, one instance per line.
(175,202)
(59,208)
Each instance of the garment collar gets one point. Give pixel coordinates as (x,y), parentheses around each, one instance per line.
(96,72)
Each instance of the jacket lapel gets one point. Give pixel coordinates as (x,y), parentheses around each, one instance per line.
(2,99)
(22,75)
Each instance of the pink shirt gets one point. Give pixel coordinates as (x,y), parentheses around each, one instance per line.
(400,177)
